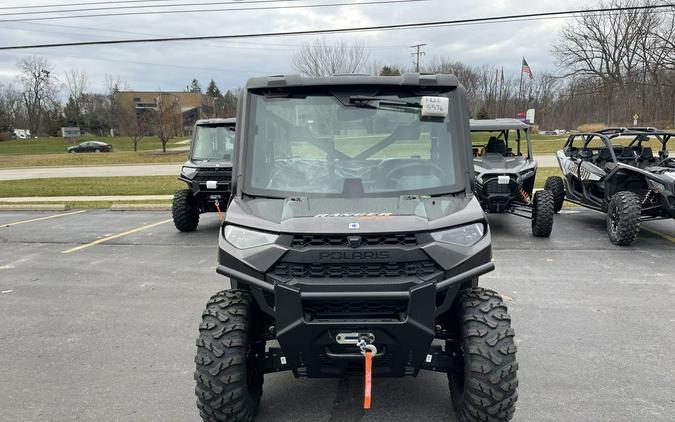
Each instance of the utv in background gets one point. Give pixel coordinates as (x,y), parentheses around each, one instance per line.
(616,172)
(504,177)
(353,231)
(207,173)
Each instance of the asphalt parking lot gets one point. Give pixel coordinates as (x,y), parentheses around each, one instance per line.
(106,331)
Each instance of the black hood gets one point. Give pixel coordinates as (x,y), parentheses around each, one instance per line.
(354,215)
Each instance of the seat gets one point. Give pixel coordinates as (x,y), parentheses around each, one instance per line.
(627,156)
(586,154)
(495,145)
(604,157)
(646,157)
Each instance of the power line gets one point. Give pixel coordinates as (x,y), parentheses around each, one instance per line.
(84,4)
(146,6)
(239,9)
(344,30)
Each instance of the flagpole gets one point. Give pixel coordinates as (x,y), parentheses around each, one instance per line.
(520,89)
(501,88)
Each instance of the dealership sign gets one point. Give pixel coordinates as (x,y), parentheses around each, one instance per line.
(70,132)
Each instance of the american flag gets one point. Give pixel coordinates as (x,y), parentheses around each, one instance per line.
(526,69)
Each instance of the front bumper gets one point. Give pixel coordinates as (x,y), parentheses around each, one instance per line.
(404,326)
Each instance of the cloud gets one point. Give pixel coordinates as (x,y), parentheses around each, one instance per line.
(170,66)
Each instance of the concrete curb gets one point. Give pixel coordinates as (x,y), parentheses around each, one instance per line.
(34,207)
(140,207)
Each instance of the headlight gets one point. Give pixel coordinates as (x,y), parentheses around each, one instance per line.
(189,172)
(524,175)
(245,239)
(462,236)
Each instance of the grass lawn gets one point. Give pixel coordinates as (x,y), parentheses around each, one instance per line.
(76,186)
(125,157)
(52,152)
(149,185)
(53,145)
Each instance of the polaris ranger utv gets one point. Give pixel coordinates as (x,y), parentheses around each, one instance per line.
(353,240)
(615,171)
(208,173)
(505,178)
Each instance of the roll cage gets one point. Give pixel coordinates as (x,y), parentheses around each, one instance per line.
(616,153)
(503,127)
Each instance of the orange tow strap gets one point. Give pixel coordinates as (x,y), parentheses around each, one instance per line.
(369,380)
(220,214)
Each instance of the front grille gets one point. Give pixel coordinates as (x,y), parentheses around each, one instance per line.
(394,239)
(358,270)
(224,175)
(492,187)
(332,309)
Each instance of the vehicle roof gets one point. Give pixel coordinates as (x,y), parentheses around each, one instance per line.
(217,121)
(497,124)
(407,79)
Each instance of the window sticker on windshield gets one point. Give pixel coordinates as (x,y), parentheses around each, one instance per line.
(435,106)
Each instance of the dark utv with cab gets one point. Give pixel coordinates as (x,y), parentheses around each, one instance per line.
(615,171)
(505,177)
(208,173)
(353,238)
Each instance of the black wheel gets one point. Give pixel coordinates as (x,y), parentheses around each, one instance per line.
(542,213)
(557,187)
(623,218)
(97,150)
(72,151)
(185,213)
(229,383)
(486,389)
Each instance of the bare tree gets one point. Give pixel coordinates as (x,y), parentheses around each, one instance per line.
(135,124)
(606,47)
(167,119)
(322,59)
(76,84)
(38,88)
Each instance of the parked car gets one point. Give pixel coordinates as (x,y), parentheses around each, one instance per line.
(90,146)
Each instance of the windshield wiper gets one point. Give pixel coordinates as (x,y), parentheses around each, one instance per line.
(363,101)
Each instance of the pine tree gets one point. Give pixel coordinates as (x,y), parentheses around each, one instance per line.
(213,91)
(195,86)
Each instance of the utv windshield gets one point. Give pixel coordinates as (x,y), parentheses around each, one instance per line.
(213,143)
(348,145)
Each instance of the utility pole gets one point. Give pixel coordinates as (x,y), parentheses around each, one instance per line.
(417,53)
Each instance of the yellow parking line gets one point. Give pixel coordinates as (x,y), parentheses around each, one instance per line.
(115,236)
(41,218)
(663,235)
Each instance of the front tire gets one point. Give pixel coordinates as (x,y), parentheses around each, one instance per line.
(556,185)
(486,390)
(623,218)
(542,213)
(185,214)
(229,384)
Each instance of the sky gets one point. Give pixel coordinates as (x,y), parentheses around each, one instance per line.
(171,66)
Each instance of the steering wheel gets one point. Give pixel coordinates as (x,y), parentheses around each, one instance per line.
(426,165)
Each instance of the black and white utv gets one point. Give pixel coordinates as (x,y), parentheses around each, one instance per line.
(353,244)
(615,171)
(207,173)
(505,177)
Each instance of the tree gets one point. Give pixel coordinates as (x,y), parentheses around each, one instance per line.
(319,59)
(212,90)
(390,71)
(136,124)
(166,118)
(605,47)
(38,88)
(194,86)
(76,84)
